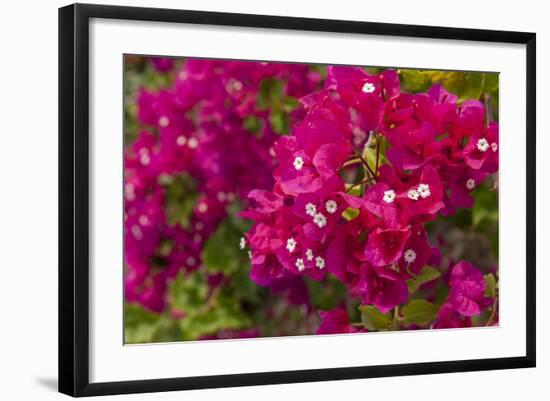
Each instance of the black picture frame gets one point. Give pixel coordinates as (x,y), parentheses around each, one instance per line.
(74,198)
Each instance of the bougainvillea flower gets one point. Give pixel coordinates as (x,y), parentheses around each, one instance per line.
(481,152)
(414,148)
(467,290)
(449,318)
(381,287)
(335,321)
(385,245)
(416,251)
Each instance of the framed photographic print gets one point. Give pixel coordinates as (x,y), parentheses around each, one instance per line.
(249,199)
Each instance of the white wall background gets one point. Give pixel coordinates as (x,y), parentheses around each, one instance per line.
(28,199)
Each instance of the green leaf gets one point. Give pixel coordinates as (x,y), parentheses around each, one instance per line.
(419,312)
(373,319)
(490,82)
(181,196)
(414,80)
(221,252)
(188,291)
(252,124)
(485,207)
(466,85)
(279,121)
(427,274)
(142,326)
(490,285)
(226,316)
(270,92)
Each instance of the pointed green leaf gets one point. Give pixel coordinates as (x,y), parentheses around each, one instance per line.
(490,285)
(373,319)
(427,274)
(419,312)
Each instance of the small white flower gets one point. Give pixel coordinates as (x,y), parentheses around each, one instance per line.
(410,256)
(482,145)
(129,191)
(424,191)
(136,231)
(320,262)
(202,208)
(234,85)
(470,184)
(250,254)
(164,121)
(309,254)
(331,206)
(242,243)
(181,140)
(311,209)
(193,143)
(298,163)
(291,244)
(413,194)
(494,146)
(300,264)
(145,159)
(320,220)
(143,220)
(368,87)
(389,196)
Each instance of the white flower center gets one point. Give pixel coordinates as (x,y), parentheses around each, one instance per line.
(368,87)
(482,145)
(331,206)
(197,238)
(203,207)
(190,261)
(470,184)
(181,140)
(250,254)
(424,191)
(298,163)
(242,243)
(410,256)
(320,220)
(389,196)
(300,264)
(320,262)
(309,254)
(413,194)
(291,244)
(494,146)
(222,196)
(311,209)
(164,121)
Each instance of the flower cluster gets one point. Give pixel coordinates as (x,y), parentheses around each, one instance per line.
(193,146)
(362,173)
